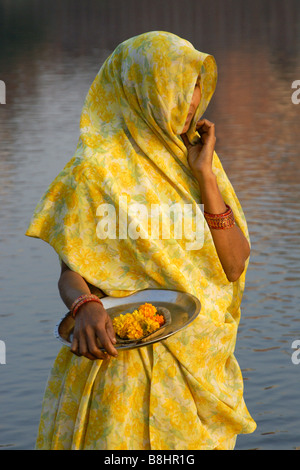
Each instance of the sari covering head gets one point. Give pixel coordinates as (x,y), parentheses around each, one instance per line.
(185,392)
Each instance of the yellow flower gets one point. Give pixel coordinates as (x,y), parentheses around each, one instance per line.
(151,325)
(139,323)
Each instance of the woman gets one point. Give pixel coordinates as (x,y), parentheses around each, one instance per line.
(139,143)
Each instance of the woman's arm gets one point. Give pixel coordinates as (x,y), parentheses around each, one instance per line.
(92,322)
(231,245)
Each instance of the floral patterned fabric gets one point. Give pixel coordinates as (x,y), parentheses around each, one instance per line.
(185,392)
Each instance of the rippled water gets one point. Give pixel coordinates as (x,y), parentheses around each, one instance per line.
(49,59)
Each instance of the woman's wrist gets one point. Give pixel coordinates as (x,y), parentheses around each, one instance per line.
(71,285)
(89,309)
(205,175)
(82,300)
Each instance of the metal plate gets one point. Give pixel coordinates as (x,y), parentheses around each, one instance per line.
(184,308)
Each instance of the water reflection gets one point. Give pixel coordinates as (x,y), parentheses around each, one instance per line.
(50,53)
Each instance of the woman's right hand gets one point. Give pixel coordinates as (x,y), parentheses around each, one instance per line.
(93,325)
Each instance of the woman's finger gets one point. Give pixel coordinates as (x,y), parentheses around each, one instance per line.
(74,346)
(186,141)
(83,348)
(206,129)
(106,341)
(93,348)
(110,331)
(202,122)
(205,125)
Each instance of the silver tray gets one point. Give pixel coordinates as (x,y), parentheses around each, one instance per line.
(183,308)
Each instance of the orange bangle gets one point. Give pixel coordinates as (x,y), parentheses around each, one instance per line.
(82,299)
(220,221)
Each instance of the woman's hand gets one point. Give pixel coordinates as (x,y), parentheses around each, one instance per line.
(200,156)
(92,322)
(93,329)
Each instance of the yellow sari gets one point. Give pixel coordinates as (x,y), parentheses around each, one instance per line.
(185,392)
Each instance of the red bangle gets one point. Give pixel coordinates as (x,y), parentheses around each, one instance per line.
(82,299)
(220,221)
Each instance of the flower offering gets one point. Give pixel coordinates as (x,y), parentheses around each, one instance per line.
(139,323)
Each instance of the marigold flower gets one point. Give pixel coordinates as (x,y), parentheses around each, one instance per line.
(139,323)
(160,319)
(148,310)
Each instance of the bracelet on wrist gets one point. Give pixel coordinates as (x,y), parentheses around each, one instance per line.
(81,300)
(220,221)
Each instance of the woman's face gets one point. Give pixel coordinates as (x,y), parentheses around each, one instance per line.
(193,106)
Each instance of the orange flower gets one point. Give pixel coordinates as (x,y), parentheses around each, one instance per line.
(160,319)
(148,310)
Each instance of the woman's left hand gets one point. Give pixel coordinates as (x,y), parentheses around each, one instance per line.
(200,156)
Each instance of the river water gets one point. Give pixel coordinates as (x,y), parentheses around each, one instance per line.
(50,54)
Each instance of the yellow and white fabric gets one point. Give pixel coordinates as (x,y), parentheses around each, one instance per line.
(185,392)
